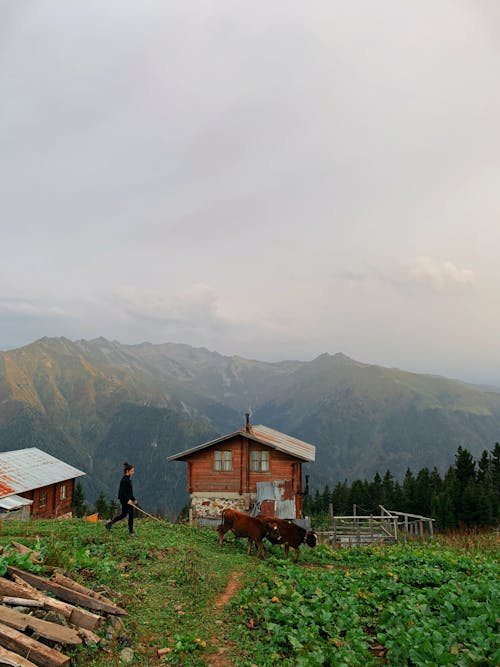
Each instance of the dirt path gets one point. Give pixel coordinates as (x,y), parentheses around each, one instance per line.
(220,644)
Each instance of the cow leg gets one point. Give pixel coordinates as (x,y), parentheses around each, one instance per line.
(249,549)
(222,530)
(287,548)
(296,557)
(260,549)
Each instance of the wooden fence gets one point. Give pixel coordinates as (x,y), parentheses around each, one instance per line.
(388,527)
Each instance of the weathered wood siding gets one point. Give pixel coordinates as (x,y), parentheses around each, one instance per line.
(47,501)
(204,479)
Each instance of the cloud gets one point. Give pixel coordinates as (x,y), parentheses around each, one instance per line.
(437,275)
(197,313)
(22,307)
(194,306)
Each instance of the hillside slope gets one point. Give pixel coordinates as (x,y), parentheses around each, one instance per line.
(96,403)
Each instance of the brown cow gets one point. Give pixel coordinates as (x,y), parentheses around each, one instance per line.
(291,535)
(251,527)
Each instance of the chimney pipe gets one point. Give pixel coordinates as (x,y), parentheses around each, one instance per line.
(248,427)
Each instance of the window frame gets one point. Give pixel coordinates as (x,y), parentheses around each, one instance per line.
(259,460)
(223,460)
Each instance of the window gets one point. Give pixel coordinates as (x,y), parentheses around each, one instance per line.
(42,502)
(62,492)
(259,461)
(223,460)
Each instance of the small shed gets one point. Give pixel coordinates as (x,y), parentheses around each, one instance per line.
(255,469)
(35,484)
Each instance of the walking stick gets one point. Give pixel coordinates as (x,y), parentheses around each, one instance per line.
(147,513)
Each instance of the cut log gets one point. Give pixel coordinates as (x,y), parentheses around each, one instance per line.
(53,631)
(20,602)
(39,653)
(88,636)
(80,617)
(9,658)
(75,586)
(66,594)
(23,549)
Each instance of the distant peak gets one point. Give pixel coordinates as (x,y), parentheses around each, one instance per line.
(337,357)
(340,356)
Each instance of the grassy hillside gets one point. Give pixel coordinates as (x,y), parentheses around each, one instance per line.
(422,604)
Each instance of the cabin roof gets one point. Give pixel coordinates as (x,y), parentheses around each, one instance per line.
(263,435)
(27,469)
(14,502)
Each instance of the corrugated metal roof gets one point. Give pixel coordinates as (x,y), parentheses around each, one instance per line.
(283,442)
(26,469)
(14,502)
(265,435)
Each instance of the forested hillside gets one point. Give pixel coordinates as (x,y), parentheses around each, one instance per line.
(97,403)
(467,495)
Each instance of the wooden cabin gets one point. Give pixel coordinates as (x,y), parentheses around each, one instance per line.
(34,484)
(255,469)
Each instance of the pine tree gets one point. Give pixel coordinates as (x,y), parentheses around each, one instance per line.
(102,507)
(388,492)
(465,489)
(340,498)
(79,507)
(409,493)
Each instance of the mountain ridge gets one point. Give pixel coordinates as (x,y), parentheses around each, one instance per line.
(74,398)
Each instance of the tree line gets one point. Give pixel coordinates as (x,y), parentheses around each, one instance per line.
(468,495)
(106,509)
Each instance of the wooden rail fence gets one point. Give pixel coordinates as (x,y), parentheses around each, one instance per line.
(388,527)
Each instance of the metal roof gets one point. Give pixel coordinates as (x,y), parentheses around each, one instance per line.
(26,469)
(264,435)
(14,502)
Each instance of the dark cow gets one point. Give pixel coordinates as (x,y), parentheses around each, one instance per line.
(291,535)
(243,525)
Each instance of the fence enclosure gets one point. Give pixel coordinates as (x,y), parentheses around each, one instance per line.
(388,527)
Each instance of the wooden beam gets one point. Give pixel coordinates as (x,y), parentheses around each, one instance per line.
(39,653)
(20,602)
(23,549)
(88,636)
(74,585)
(66,594)
(53,631)
(80,617)
(14,660)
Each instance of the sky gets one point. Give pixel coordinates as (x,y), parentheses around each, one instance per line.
(272,179)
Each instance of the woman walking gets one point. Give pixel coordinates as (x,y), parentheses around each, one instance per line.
(126,497)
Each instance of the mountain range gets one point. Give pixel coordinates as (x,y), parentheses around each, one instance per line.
(95,404)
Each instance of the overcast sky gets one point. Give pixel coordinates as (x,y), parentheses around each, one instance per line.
(273,179)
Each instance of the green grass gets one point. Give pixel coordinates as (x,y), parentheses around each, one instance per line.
(422,605)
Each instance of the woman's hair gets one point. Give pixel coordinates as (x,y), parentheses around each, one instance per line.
(127,466)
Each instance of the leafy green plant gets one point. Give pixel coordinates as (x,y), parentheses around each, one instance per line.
(434,604)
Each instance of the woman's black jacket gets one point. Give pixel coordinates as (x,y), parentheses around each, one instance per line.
(125,492)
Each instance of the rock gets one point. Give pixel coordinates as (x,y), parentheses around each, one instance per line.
(127,656)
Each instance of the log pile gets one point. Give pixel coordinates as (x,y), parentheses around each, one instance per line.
(39,616)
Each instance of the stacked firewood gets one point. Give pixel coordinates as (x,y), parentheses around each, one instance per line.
(73,614)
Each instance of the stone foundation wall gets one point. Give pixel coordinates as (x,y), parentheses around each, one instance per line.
(212,507)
